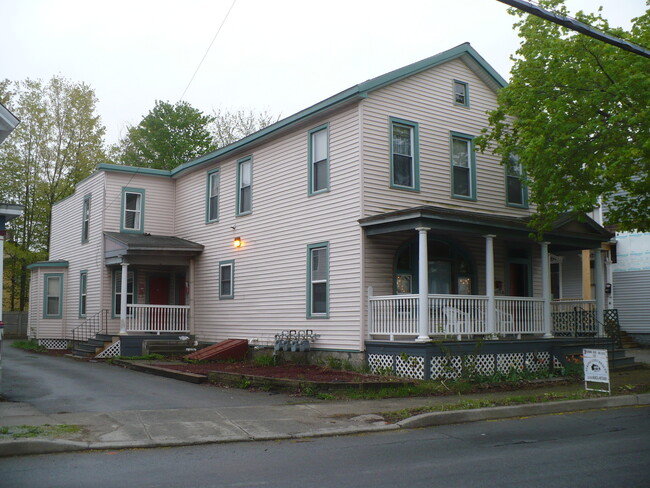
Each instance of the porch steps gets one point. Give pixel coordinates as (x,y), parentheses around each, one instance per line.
(91,347)
(618,358)
(228,349)
(628,341)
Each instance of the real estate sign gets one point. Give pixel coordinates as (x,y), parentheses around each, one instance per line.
(596,366)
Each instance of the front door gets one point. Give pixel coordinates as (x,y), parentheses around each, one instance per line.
(158,295)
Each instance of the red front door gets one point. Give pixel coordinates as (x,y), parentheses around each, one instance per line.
(158,295)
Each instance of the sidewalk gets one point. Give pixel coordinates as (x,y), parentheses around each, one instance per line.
(177,427)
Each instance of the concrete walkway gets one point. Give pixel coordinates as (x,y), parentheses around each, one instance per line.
(189,426)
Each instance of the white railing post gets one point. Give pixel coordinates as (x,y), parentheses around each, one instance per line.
(489,282)
(370,314)
(423,284)
(123,295)
(600,291)
(546,290)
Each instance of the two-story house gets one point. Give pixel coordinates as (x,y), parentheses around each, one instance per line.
(368,218)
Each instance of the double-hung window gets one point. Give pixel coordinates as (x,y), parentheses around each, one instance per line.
(516,191)
(463,171)
(318,280)
(245,186)
(83,292)
(85,219)
(319,160)
(132,210)
(404,155)
(227,279)
(53,294)
(119,295)
(212,197)
(461,93)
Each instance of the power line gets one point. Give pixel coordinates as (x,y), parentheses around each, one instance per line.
(208,50)
(578,26)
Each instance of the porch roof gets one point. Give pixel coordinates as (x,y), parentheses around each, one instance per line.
(567,233)
(121,247)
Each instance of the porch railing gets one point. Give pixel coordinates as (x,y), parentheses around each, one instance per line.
(160,319)
(454,315)
(96,324)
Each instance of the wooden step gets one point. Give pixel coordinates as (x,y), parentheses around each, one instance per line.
(228,349)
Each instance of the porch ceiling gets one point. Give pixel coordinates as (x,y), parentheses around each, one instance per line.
(567,233)
(133,248)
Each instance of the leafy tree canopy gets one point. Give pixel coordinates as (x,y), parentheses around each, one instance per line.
(168,136)
(577,113)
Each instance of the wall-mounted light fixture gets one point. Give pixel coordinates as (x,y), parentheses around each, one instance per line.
(237,242)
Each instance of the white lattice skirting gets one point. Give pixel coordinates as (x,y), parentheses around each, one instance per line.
(448,367)
(111,351)
(53,343)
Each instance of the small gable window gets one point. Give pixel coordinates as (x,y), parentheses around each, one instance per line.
(461,93)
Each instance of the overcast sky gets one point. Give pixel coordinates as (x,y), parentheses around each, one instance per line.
(275,55)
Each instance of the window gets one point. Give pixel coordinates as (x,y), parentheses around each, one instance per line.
(117,291)
(516,191)
(132,210)
(85,220)
(463,176)
(319,160)
(83,288)
(461,93)
(227,279)
(53,306)
(318,280)
(404,155)
(244,186)
(212,196)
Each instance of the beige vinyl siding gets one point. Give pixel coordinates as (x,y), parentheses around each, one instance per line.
(426,98)
(46,328)
(270,268)
(66,245)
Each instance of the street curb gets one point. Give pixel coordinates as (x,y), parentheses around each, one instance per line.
(161,371)
(495,413)
(26,447)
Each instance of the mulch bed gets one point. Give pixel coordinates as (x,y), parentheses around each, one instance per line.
(305,372)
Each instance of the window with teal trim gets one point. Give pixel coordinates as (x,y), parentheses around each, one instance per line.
(132,210)
(318,280)
(319,160)
(227,279)
(212,197)
(244,186)
(53,296)
(461,93)
(516,191)
(463,169)
(404,157)
(85,219)
(83,293)
(118,295)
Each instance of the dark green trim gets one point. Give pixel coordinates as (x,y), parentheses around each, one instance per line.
(83,286)
(310,314)
(472,165)
(415,130)
(126,190)
(310,168)
(352,94)
(213,173)
(46,276)
(231,263)
(241,161)
(48,264)
(117,168)
(86,202)
(114,288)
(466,85)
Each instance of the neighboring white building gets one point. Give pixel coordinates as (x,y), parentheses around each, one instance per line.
(366,217)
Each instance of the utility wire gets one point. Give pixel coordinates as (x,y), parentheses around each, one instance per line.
(208,50)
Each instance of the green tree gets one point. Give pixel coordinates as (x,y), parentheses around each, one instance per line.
(58,143)
(228,127)
(577,112)
(168,136)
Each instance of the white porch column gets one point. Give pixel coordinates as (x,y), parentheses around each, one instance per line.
(423,286)
(546,290)
(190,298)
(123,289)
(600,290)
(489,283)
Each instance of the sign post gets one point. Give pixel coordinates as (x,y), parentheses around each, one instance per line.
(596,366)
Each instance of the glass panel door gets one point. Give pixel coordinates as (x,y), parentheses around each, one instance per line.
(440,277)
